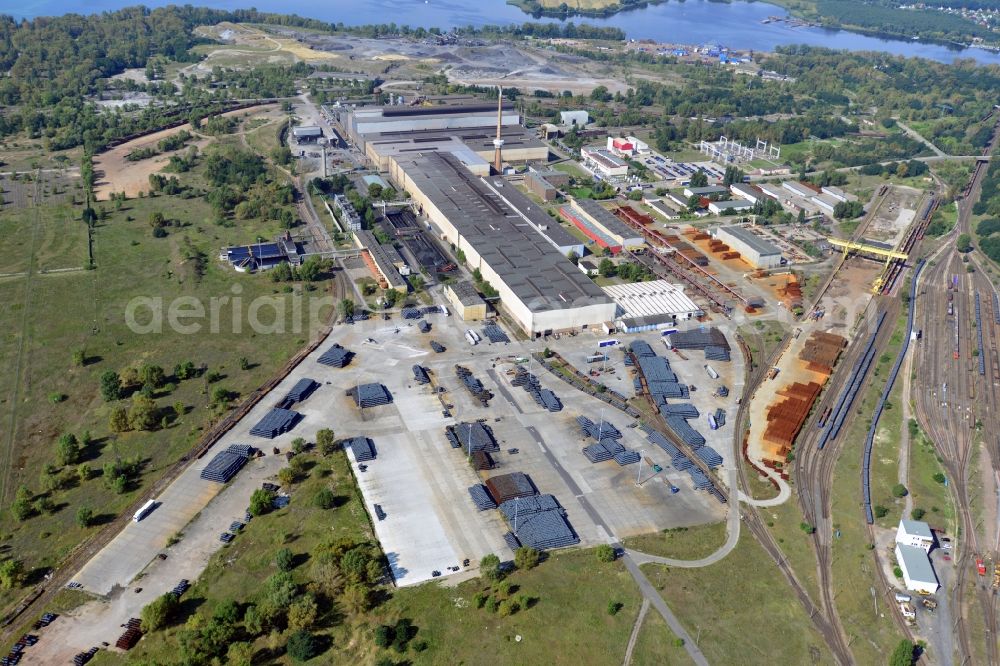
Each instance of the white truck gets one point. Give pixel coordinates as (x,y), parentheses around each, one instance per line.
(146,509)
(711,372)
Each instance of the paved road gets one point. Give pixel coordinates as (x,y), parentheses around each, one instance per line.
(913,134)
(654,597)
(732,538)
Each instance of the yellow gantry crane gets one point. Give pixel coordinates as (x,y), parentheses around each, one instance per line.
(889,255)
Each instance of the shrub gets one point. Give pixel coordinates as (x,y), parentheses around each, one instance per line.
(526,558)
(489,567)
(159,612)
(84,516)
(614,607)
(881,511)
(284,559)
(325,499)
(325,441)
(605,553)
(897,572)
(899,490)
(301,646)
(261,502)
(917,513)
(383,635)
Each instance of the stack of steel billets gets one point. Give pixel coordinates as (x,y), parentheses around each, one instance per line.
(226,464)
(626,457)
(699,339)
(641,349)
(720,416)
(709,455)
(276,422)
(479,434)
(495,333)
(424,326)
(420,375)
(715,353)
(437,347)
(364,448)
(481,498)
(302,390)
(336,356)
(683,429)
(512,541)
(684,410)
(473,385)
(370,395)
(411,313)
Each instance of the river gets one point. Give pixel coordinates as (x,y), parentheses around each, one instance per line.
(736,24)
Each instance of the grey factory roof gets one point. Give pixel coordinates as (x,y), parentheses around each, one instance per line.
(381,258)
(478,139)
(307,130)
(917,564)
(917,528)
(762,247)
(708,189)
(605,218)
(533,268)
(466,293)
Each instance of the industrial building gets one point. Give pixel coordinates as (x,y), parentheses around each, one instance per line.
(262,256)
(540,187)
(468,304)
(349,218)
(605,163)
(706,191)
(667,210)
(380,261)
(746,191)
(758,252)
(474,146)
(647,306)
(640,147)
(915,533)
(600,225)
(452,114)
(307,134)
(799,189)
(838,194)
(516,246)
(918,574)
(825,202)
(730,206)
(577,118)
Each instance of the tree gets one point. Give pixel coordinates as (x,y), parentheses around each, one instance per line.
(573,257)
(158,613)
(917,513)
(11,574)
(356,598)
(118,419)
(152,375)
(526,558)
(383,635)
(899,490)
(325,499)
(111,386)
(964,243)
(605,553)
(326,441)
(489,567)
(239,654)
(600,94)
(606,268)
(699,179)
(261,502)
(301,646)
(302,613)
(346,308)
(903,654)
(79,357)
(84,516)
(157,221)
(801,218)
(284,559)
(68,450)
(374,191)
(143,415)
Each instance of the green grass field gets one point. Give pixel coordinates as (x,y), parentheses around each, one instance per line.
(742,610)
(685,543)
(655,644)
(49,316)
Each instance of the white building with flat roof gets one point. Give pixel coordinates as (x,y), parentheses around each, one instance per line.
(760,253)
(918,574)
(609,165)
(733,205)
(651,305)
(746,191)
(915,533)
(798,189)
(579,118)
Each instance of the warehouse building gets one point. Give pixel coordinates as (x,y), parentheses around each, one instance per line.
(588,216)
(706,191)
(453,114)
(825,202)
(307,134)
(799,189)
(641,147)
(474,146)
(773,190)
(667,210)
(918,574)
(915,533)
(516,246)
(380,261)
(349,218)
(540,187)
(730,206)
(746,191)
(838,194)
(648,306)
(754,249)
(606,164)
(468,304)
(577,118)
